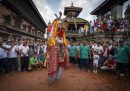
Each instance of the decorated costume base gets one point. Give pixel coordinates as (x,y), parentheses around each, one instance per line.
(57,48)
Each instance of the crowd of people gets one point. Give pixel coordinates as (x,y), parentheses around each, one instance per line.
(101,56)
(106,24)
(21,56)
(94,56)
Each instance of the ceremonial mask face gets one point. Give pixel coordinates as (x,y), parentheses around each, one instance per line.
(59,23)
(63,25)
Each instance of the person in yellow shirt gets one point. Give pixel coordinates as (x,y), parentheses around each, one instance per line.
(86,28)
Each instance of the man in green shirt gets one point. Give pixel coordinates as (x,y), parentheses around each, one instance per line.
(122,59)
(72,53)
(33,62)
(84,52)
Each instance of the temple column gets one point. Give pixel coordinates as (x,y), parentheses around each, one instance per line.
(117,11)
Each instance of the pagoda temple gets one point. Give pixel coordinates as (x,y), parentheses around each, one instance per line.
(74,21)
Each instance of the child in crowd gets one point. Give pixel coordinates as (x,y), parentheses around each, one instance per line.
(95,61)
(109,65)
(41,59)
(33,62)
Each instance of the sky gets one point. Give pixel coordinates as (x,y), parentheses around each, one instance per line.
(48,8)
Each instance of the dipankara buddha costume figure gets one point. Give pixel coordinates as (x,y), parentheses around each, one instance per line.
(58,55)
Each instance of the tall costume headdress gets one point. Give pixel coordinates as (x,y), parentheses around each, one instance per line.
(58,32)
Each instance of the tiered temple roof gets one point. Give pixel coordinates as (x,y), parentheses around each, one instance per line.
(68,10)
(74,21)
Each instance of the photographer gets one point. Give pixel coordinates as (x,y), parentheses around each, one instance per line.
(4,63)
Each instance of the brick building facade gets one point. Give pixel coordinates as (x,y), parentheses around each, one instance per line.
(20,18)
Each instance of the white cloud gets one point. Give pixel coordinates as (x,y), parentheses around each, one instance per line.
(47,12)
(44,10)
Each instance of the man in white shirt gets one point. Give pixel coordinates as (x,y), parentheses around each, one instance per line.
(94,46)
(20,44)
(99,49)
(24,52)
(13,57)
(40,48)
(4,64)
(91,27)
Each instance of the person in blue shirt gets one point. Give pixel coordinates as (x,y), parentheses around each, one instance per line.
(4,63)
(122,53)
(41,59)
(84,52)
(72,53)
